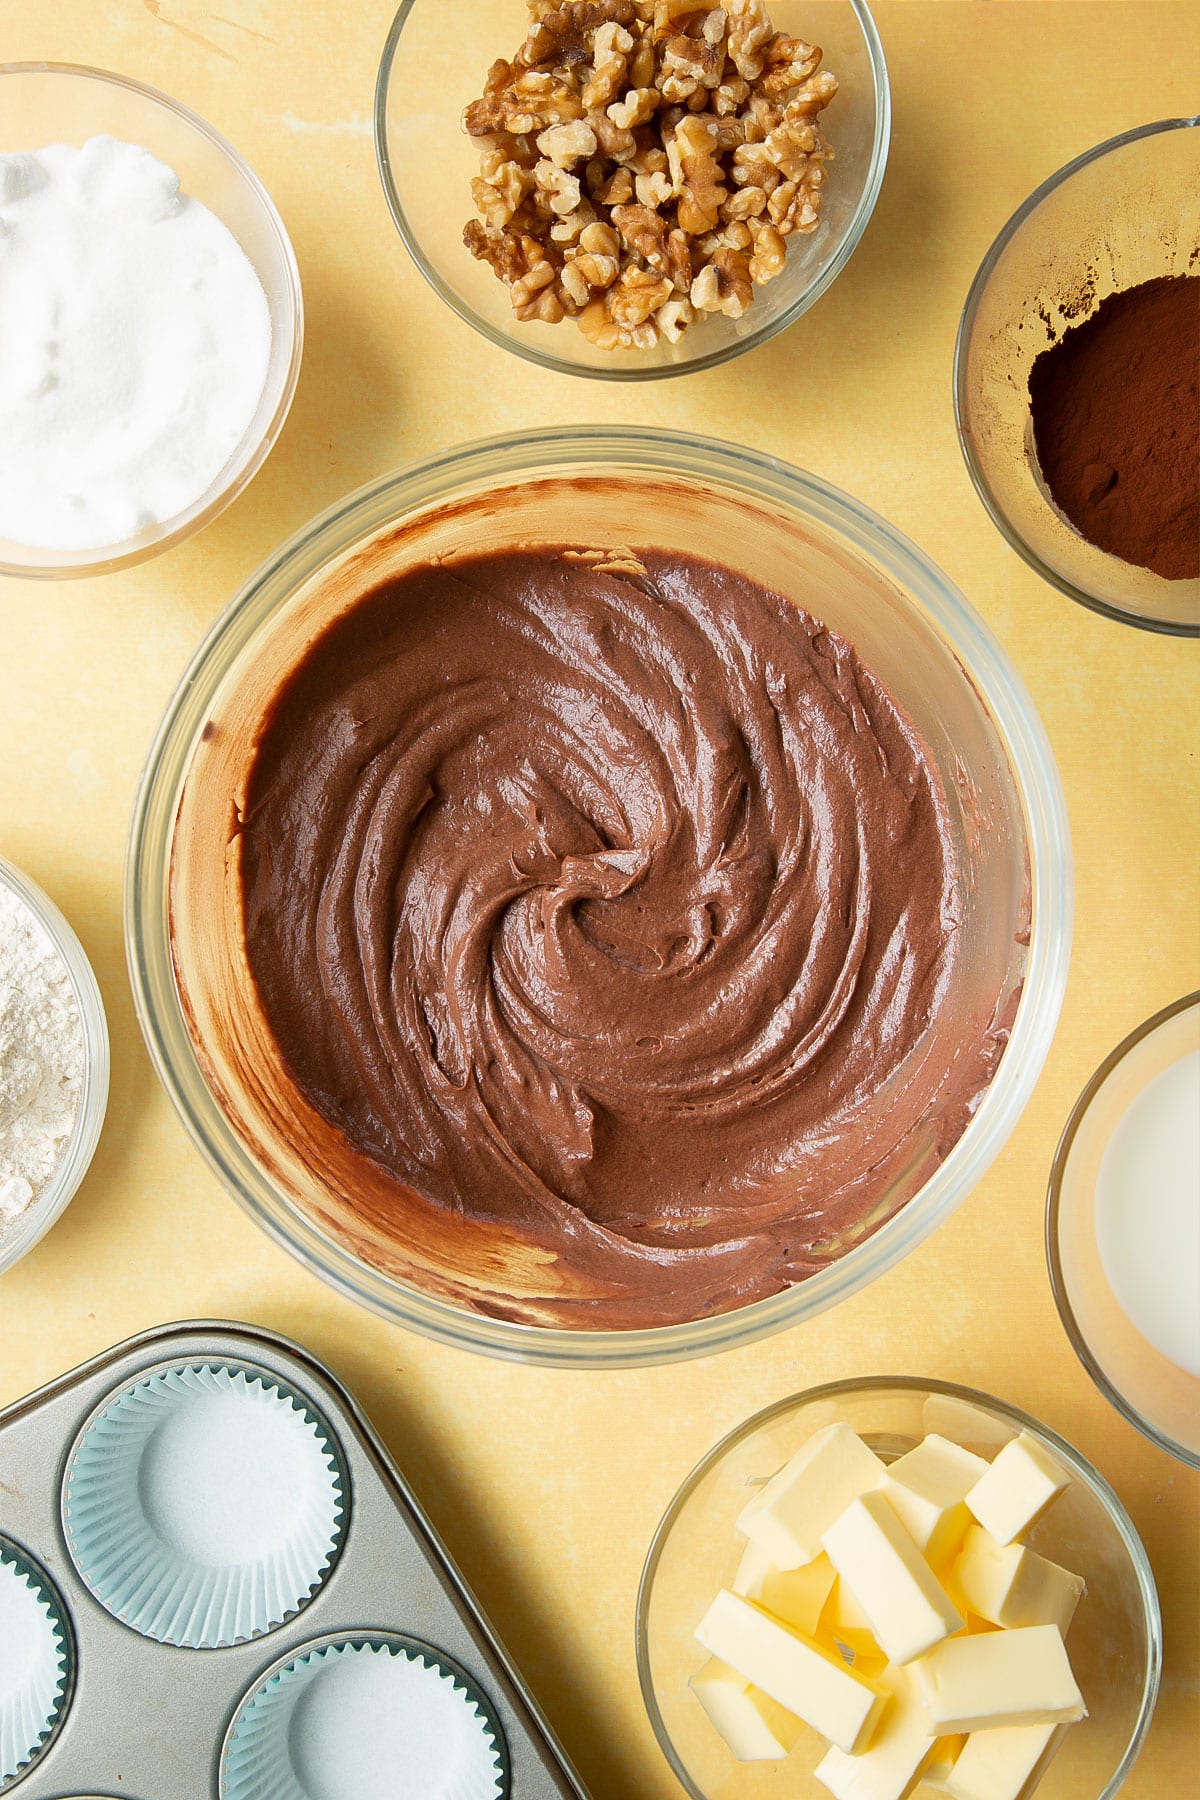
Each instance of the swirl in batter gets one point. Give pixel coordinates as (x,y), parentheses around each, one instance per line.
(612,903)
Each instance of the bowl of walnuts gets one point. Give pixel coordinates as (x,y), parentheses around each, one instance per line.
(630,189)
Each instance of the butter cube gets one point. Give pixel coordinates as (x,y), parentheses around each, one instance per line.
(999,1765)
(906,1607)
(938,1770)
(752,1569)
(1016,1489)
(928,1490)
(889,1768)
(754,1727)
(798,1596)
(1011,1585)
(845,1620)
(788,1516)
(995,1678)
(794,1595)
(792,1670)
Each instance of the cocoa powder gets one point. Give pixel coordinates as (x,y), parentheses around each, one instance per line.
(1116,424)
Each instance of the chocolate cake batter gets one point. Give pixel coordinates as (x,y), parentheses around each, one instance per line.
(613,902)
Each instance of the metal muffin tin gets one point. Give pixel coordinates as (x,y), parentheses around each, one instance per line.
(149,1721)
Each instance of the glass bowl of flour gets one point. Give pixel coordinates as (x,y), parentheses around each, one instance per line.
(53,1064)
(151,321)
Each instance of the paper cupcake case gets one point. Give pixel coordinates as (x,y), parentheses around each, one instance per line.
(205,1506)
(376,1717)
(181,1497)
(35,1662)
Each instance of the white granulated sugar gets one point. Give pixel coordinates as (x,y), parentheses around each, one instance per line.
(41,1057)
(134,342)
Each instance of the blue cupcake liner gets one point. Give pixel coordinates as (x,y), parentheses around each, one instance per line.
(205,1505)
(35,1661)
(370,1716)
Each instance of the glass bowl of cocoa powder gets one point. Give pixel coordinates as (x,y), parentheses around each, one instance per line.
(1076,379)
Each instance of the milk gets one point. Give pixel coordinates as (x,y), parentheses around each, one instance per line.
(1147,1219)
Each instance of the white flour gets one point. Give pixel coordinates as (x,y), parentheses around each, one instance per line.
(41,1057)
(134,342)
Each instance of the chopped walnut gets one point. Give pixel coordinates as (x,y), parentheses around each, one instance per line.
(636,296)
(770,254)
(749,34)
(610,48)
(644,162)
(567,144)
(498,196)
(674,316)
(696,174)
(693,66)
(724,285)
(654,190)
(639,105)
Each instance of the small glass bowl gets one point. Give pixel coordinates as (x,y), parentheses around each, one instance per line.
(428,76)
(1159,1398)
(20,1237)
(1115,1641)
(783,528)
(1120,214)
(44,103)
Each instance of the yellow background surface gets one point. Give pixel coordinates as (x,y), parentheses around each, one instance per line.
(548,1485)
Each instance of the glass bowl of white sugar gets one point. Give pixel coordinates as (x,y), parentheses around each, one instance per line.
(151,321)
(54,1064)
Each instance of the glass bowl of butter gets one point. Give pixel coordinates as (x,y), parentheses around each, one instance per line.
(941,1594)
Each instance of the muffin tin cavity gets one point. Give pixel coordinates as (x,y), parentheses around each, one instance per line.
(206,1505)
(366,1717)
(35,1661)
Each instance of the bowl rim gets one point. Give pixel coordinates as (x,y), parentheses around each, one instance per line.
(1058,1280)
(962,344)
(616,372)
(434,481)
(76,1158)
(195,517)
(923,1385)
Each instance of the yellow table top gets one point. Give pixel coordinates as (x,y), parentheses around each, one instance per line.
(548,1485)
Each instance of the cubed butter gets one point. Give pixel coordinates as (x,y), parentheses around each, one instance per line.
(928,1489)
(753,1566)
(788,1516)
(752,1724)
(1016,1489)
(845,1620)
(890,1767)
(796,1596)
(906,1606)
(792,1670)
(999,1765)
(939,1766)
(995,1678)
(1011,1585)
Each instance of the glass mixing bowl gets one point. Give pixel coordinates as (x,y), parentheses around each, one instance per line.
(786,530)
(426,161)
(59,103)
(17,1239)
(1149,1389)
(1115,1639)
(1120,214)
